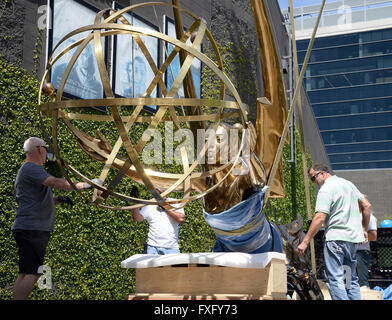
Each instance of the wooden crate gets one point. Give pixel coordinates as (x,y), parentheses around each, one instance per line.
(201,281)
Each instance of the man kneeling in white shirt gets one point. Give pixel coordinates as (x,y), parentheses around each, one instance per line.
(163,227)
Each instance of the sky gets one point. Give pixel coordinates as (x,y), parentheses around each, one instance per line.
(284,4)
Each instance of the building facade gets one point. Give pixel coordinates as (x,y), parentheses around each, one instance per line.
(349,80)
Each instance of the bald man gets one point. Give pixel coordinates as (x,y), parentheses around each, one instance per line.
(35,216)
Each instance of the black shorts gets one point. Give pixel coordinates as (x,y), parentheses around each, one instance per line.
(32,247)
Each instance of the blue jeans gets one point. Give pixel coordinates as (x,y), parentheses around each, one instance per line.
(364,258)
(340,266)
(160,250)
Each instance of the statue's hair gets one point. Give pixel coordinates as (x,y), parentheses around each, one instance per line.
(319,167)
(32,143)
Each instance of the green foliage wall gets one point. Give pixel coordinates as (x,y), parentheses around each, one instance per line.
(89,243)
(285,210)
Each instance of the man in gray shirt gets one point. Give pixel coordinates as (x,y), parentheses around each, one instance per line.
(345,212)
(36,214)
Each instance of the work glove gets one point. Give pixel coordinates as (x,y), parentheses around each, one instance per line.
(65,199)
(134,192)
(96,181)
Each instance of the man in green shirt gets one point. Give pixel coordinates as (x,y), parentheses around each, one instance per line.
(339,207)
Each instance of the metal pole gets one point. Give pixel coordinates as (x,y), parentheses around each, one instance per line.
(300,125)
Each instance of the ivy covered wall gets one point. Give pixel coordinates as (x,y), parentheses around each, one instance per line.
(89,243)
(12,15)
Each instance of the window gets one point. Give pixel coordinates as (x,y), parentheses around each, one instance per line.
(361,157)
(355,121)
(361,92)
(353,106)
(357,135)
(359,147)
(362,165)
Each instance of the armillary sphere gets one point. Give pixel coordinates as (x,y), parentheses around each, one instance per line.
(125,113)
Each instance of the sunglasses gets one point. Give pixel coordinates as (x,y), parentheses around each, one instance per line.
(314,177)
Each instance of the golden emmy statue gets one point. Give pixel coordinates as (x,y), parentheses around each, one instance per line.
(222,183)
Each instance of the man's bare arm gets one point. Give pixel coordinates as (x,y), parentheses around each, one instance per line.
(315,226)
(62,184)
(372,235)
(366,209)
(177,216)
(136,215)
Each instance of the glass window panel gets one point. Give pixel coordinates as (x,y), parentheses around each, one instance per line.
(353,107)
(309,23)
(346,52)
(358,147)
(357,17)
(331,20)
(340,40)
(318,83)
(355,121)
(359,78)
(350,93)
(347,39)
(352,3)
(357,135)
(363,165)
(298,24)
(377,76)
(386,33)
(378,13)
(338,81)
(302,45)
(342,52)
(350,79)
(352,65)
(301,56)
(361,157)
(376,48)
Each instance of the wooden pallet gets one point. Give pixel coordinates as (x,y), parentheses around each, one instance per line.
(366,294)
(169,296)
(211,282)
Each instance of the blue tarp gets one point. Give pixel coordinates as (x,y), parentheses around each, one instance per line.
(263,238)
(387,291)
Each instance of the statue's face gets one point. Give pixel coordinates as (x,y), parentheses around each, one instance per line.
(217,145)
